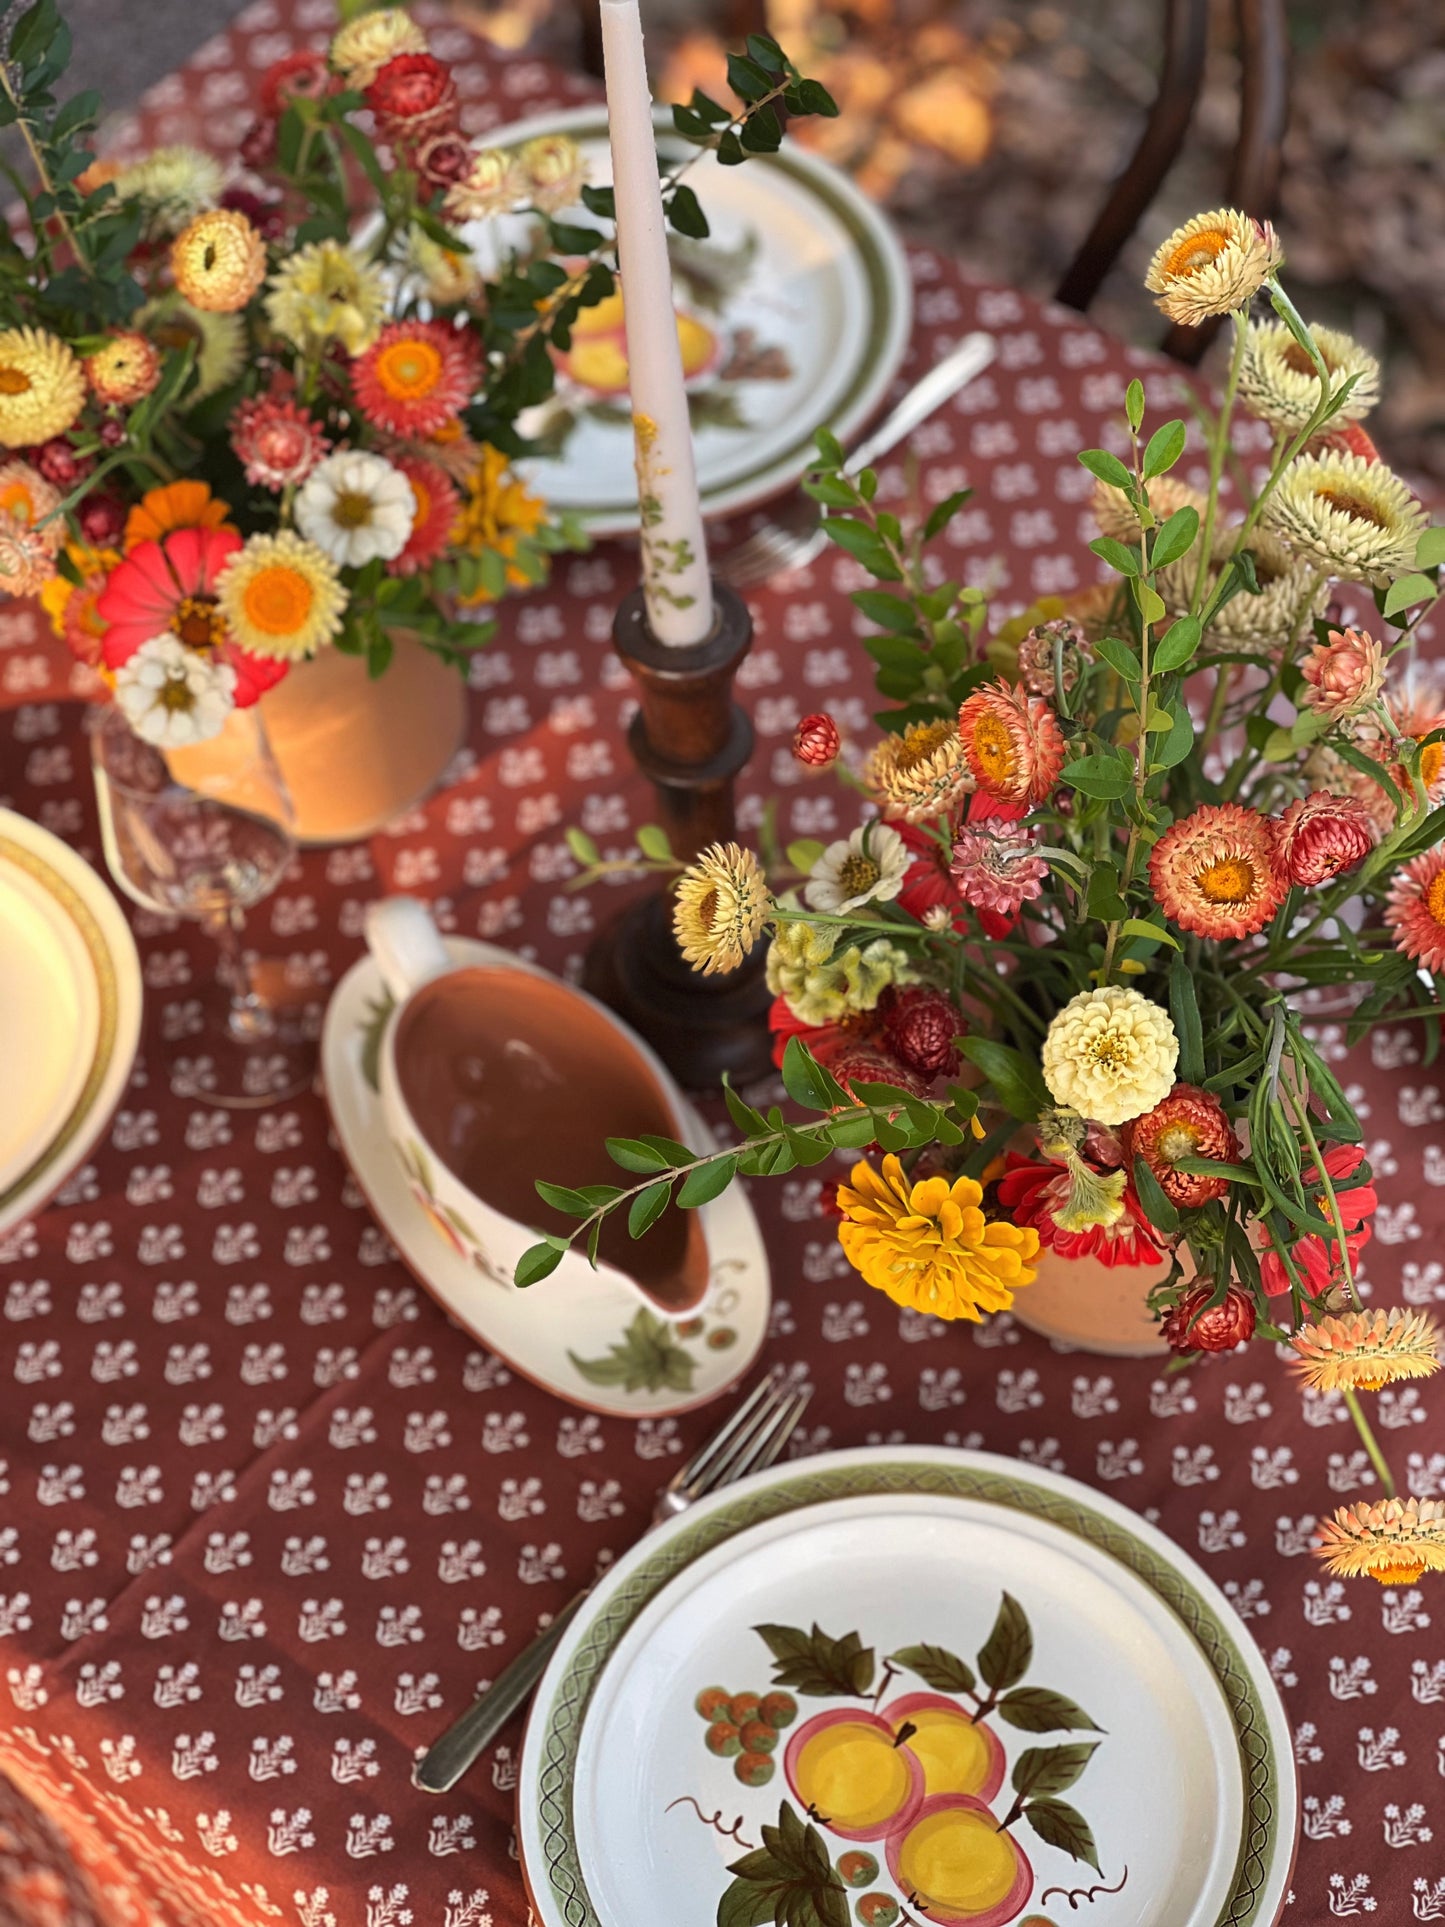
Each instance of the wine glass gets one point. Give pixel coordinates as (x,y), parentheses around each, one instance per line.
(209,848)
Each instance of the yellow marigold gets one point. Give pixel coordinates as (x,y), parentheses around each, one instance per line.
(929,1246)
(1212,265)
(325,293)
(1278,382)
(1395,1541)
(496,512)
(1354,518)
(1110,1055)
(219,261)
(921,773)
(719,908)
(124,371)
(281,597)
(1363,1350)
(42,387)
(362,47)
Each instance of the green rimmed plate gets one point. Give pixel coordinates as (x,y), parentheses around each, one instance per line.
(795,315)
(1090,1724)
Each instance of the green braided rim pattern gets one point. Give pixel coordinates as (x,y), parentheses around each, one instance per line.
(568,1709)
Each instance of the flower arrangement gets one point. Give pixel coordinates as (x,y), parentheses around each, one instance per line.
(1056,978)
(255,408)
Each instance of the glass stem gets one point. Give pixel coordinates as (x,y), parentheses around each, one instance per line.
(248,1020)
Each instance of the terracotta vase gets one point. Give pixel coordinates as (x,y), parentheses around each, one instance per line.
(1098,1308)
(354,750)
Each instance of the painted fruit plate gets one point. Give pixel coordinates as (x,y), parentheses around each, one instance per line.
(70,1010)
(912,1686)
(599,1347)
(793,314)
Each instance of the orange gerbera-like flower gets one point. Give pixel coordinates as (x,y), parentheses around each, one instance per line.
(1395,1541)
(1190,1123)
(1011,742)
(437,503)
(1362,1350)
(1415,909)
(124,371)
(416,376)
(1216,872)
(218,261)
(177,505)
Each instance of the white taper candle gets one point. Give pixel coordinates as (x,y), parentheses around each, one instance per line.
(674,547)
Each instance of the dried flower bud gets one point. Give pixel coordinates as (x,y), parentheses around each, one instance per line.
(816,741)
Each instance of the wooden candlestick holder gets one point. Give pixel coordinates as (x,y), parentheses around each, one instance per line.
(691,739)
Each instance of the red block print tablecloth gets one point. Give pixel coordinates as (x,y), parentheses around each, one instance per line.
(267,1517)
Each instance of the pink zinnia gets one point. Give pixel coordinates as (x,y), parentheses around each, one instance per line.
(1012,743)
(1415,909)
(1344,674)
(278,443)
(1321,835)
(995,868)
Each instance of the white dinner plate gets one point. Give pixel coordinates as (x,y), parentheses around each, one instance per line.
(592,1342)
(70,1004)
(843,1619)
(797,309)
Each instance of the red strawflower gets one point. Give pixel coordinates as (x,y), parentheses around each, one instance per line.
(303,75)
(168,588)
(412,97)
(1030,1192)
(816,742)
(443,159)
(1194,1325)
(1321,835)
(1189,1123)
(102,520)
(416,376)
(1317,1263)
(267,217)
(437,502)
(277,443)
(1415,909)
(59,463)
(919,1026)
(1344,438)
(257,146)
(112,432)
(864,1061)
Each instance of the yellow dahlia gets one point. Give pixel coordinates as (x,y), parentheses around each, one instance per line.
(1277,380)
(1363,1350)
(362,47)
(42,387)
(326,293)
(124,371)
(219,341)
(1212,265)
(280,597)
(921,773)
(218,261)
(173,184)
(1355,518)
(720,905)
(1216,871)
(1395,1541)
(929,1246)
(1110,1055)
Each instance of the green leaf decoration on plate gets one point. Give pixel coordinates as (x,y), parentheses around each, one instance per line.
(1059,1825)
(944,1671)
(1034,1709)
(647,1358)
(789,1878)
(1044,1770)
(1009,1649)
(817,1665)
(378,1015)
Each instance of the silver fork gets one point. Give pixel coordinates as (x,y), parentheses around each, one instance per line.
(793,535)
(749,1441)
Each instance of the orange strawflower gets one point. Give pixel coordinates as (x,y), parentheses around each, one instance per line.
(1012,743)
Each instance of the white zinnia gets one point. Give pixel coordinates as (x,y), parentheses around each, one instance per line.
(354,506)
(171,695)
(867,867)
(1110,1055)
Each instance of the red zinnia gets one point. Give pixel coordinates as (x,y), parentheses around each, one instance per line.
(412,97)
(1318,1261)
(416,376)
(437,502)
(927,884)
(1031,1192)
(169,588)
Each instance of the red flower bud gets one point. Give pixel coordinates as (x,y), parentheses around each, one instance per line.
(102,520)
(1192,1328)
(920,1024)
(816,741)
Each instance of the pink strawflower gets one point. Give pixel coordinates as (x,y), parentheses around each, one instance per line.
(1321,835)
(26,562)
(1216,872)
(994,866)
(1344,675)
(278,443)
(1012,743)
(1415,909)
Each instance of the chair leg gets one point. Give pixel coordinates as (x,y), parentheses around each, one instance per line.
(1186,38)
(1263,113)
